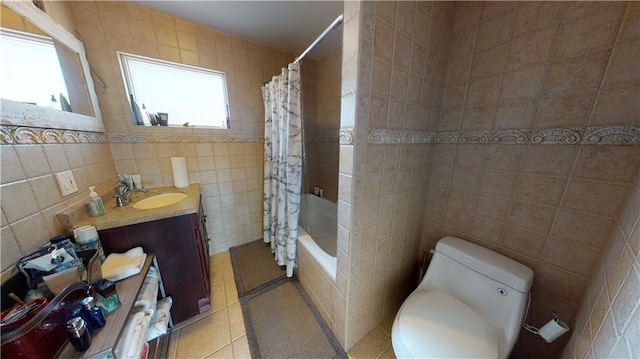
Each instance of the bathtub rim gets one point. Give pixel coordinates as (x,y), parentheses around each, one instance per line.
(328,263)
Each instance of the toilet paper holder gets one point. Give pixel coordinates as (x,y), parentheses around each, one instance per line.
(550,331)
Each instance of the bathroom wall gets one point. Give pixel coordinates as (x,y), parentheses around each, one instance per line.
(498,169)
(408,42)
(322,129)
(309,80)
(30,194)
(548,202)
(607,323)
(227,163)
(395,60)
(60,12)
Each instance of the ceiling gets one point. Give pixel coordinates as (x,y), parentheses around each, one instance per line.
(289,26)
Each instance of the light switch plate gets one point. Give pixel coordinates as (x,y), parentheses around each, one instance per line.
(66,182)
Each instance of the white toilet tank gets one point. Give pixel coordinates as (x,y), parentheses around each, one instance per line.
(492,284)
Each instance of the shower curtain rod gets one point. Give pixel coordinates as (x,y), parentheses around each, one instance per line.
(333,25)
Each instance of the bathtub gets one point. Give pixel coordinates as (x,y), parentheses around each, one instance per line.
(317,230)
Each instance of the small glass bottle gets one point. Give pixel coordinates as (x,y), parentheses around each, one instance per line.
(78,334)
(92,314)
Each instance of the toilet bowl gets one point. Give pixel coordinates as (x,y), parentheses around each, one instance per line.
(470,304)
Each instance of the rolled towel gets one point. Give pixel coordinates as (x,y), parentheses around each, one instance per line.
(118,266)
(160,320)
(148,297)
(133,336)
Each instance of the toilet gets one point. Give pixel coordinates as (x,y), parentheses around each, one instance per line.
(470,304)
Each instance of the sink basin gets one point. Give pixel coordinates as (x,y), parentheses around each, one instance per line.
(160,200)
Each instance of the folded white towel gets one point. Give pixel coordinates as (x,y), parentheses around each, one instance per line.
(118,266)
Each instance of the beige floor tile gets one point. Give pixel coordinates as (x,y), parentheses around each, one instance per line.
(224,353)
(227,269)
(204,337)
(210,335)
(217,277)
(218,296)
(215,272)
(231,291)
(241,348)
(236,321)
(387,323)
(190,321)
(371,345)
(388,354)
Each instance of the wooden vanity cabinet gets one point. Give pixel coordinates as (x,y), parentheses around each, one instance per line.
(181,246)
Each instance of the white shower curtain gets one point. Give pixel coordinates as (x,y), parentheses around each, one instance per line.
(282,164)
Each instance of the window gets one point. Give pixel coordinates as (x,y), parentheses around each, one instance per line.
(29,59)
(170,94)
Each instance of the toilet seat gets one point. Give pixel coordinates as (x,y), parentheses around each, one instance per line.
(435,324)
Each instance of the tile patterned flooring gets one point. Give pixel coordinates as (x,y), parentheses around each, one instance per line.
(220,333)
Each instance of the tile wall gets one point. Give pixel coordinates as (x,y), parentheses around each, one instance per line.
(408,45)
(489,66)
(607,323)
(548,207)
(322,130)
(230,172)
(230,176)
(309,79)
(109,26)
(537,65)
(395,60)
(30,194)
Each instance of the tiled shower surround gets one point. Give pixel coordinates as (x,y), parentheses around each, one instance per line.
(321,106)
(569,211)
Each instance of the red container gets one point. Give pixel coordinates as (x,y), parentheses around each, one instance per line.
(40,303)
(42,336)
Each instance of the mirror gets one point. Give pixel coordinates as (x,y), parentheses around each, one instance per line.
(56,90)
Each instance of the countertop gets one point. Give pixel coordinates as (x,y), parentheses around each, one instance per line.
(123,216)
(105,340)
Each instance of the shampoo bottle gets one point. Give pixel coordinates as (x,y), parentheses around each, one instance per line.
(96,207)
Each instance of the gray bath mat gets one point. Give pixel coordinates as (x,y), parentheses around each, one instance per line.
(282,322)
(254,266)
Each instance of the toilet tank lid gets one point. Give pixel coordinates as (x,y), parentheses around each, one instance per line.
(487,262)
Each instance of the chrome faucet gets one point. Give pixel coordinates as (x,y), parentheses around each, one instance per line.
(124,189)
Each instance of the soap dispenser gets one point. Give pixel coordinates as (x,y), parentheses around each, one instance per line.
(96,207)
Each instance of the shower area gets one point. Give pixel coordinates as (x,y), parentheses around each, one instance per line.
(321,88)
(302,121)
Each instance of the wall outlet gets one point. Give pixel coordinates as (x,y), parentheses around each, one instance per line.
(67,183)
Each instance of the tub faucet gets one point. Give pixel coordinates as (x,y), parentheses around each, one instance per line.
(124,189)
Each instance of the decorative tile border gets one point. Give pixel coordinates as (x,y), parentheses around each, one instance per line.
(323,139)
(619,135)
(16,135)
(182,138)
(347,135)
